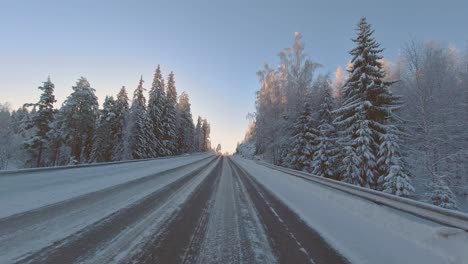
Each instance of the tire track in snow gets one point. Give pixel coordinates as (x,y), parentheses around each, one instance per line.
(234,233)
(179,237)
(32,230)
(88,241)
(291,239)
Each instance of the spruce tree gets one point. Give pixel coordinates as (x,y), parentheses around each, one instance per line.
(156,106)
(367,107)
(138,136)
(324,158)
(169,117)
(57,138)
(153,144)
(205,138)
(303,141)
(119,129)
(395,178)
(440,194)
(104,136)
(41,123)
(198,135)
(186,128)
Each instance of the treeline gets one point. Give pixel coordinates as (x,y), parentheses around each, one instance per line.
(80,132)
(355,129)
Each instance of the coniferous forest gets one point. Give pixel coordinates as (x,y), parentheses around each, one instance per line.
(127,127)
(399,128)
(264,132)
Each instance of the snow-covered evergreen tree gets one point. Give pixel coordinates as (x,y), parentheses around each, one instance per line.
(186,127)
(40,123)
(121,110)
(152,143)
(57,135)
(303,141)
(79,114)
(20,120)
(395,178)
(156,106)
(440,194)
(350,171)
(205,139)
(198,135)
(169,123)
(367,106)
(324,159)
(104,137)
(140,143)
(10,142)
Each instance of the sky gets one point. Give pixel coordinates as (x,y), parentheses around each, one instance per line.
(214,48)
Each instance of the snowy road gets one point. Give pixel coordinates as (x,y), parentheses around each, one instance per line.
(202,209)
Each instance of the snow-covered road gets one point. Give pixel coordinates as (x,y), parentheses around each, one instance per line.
(205,209)
(362,231)
(234,233)
(66,202)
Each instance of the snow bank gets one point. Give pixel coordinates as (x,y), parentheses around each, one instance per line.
(247,149)
(362,231)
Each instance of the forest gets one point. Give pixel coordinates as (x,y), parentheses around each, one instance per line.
(399,127)
(40,135)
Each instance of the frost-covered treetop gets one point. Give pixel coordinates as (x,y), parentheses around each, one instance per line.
(367,52)
(139,99)
(158,81)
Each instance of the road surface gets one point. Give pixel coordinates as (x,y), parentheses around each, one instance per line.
(204,209)
(207,211)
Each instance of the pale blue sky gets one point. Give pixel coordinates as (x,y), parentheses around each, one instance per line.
(214,47)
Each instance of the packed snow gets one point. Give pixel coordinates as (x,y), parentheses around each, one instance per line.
(362,231)
(234,230)
(23,192)
(42,230)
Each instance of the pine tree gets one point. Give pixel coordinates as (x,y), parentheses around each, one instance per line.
(156,106)
(303,141)
(169,117)
(119,129)
(324,158)
(367,106)
(41,122)
(79,114)
(186,128)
